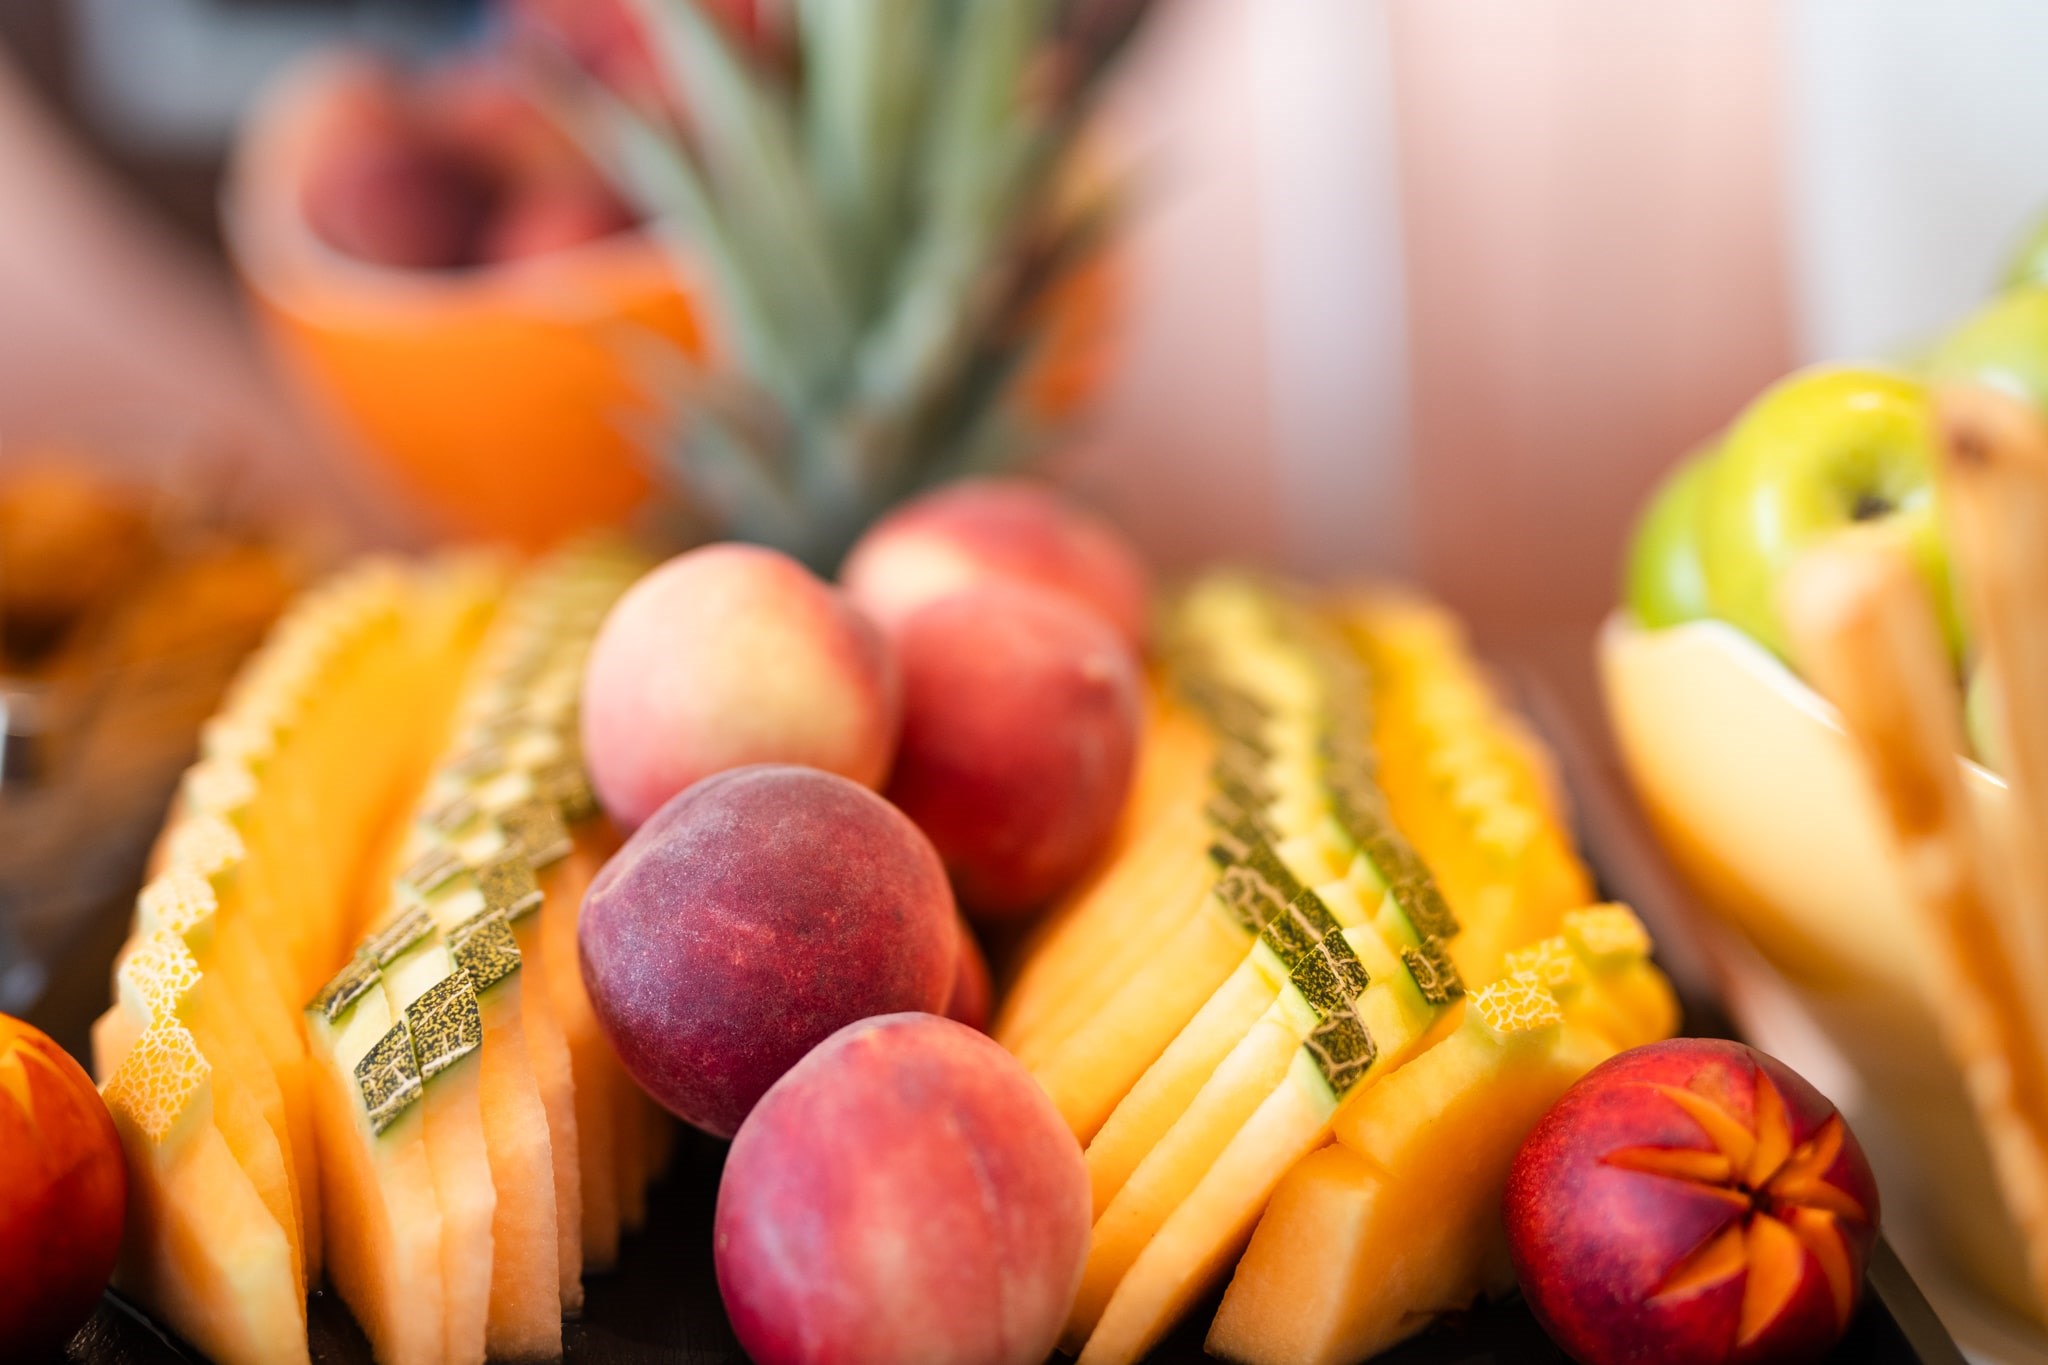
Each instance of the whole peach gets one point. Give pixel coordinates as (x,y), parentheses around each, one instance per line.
(907,1193)
(973,993)
(1008,529)
(1692,1202)
(1021,716)
(747,920)
(725,656)
(63,1194)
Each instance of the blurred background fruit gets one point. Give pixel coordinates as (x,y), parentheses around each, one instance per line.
(455,286)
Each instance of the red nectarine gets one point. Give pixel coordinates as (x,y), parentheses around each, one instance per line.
(63,1194)
(729,655)
(1021,714)
(749,918)
(905,1193)
(1012,530)
(1692,1202)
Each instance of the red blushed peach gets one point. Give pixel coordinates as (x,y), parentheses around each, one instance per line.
(726,656)
(973,993)
(63,1192)
(1011,530)
(905,1193)
(1021,715)
(750,918)
(1692,1202)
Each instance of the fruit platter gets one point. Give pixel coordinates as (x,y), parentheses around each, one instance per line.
(776,875)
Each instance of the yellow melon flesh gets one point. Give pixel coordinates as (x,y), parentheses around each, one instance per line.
(1361,1248)
(595,1071)
(384,1231)
(159,978)
(548,1054)
(1169,1085)
(199,907)
(1084,946)
(459,1160)
(201,1251)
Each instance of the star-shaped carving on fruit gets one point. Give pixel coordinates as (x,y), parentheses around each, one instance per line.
(15,1060)
(1781,1206)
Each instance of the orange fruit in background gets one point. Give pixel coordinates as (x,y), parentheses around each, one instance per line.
(494,395)
(63,1194)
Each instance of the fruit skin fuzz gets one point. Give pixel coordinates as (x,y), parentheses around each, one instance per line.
(1693,1202)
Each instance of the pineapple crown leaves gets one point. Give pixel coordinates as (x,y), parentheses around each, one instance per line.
(877,220)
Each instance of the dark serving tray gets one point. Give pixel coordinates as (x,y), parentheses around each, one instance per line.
(661,1305)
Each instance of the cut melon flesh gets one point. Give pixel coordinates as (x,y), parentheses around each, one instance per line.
(460,1163)
(1152,1106)
(159,978)
(524,1319)
(200,1249)
(595,1071)
(548,1052)
(1359,1249)
(1212,1224)
(1086,936)
(202,903)
(384,1232)
(1267,1060)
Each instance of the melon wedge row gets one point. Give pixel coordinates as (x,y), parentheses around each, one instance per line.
(1207,1020)
(1369,1238)
(389,820)
(202,1059)
(456,1072)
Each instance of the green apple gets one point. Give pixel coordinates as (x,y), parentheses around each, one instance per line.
(1820,452)
(1665,582)
(2029,264)
(2003,345)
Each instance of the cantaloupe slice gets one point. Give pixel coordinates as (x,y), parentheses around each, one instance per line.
(473,911)
(1153,874)
(200,899)
(160,978)
(1367,1240)
(384,1227)
(1465,782)
(422,984)
(594,1069)
(1363,1250)
(1350,1013)
(200,1248)
(1198,1241)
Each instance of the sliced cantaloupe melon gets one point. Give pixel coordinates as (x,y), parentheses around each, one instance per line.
(160,978)
(199,899)
(1081,947)
(1365,1241)
(595,1071)
(384,1230)
(1198,1241)
(1599,971)
(1349,1013)
(1465,782)
(473,910)
(201,1248)
(438,1003)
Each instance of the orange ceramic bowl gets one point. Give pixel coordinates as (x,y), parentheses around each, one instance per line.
(495,395)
